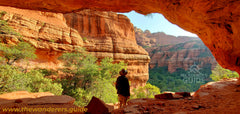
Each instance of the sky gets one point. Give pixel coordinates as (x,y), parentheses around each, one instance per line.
(156,23)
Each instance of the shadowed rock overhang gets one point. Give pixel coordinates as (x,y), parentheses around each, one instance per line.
(216,22)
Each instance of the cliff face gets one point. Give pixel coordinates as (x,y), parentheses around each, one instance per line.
(46,32)
(107,34)
(175,52)
(175,57)
(103,34)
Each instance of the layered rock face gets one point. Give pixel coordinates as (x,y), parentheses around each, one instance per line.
(103,34)
(216,22)
(107,34)
(46,32)
(175,52)
(175,57)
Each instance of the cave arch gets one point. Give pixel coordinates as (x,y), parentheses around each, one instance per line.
(216,22)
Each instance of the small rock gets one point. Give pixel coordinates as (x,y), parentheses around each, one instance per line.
(97,106)
(180,113)
(195,106)
(146,112)
(184,94)
(18,101)
(133,109)
(164,96)
(237,90)
(177,96)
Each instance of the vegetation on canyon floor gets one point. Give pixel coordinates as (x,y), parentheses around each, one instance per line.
(220,73)
(84,78)
(187,81)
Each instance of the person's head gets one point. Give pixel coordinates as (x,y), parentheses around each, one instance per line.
(123,72)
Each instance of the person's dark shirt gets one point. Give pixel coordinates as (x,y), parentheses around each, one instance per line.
(122,86)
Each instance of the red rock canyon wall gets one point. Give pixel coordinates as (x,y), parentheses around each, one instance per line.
(107,34)
(103,34)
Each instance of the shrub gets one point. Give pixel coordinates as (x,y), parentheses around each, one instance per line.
(220,73)
(148,91)
(5,29)
(17,52)
(88,78)
(13,79)
(2,13)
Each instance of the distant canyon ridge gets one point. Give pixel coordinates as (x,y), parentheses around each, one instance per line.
(174,52)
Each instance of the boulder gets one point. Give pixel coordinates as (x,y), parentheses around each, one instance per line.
(97,106)
(164,96)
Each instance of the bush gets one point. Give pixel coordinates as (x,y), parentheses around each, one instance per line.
(220,73)
(2,13)
(47,72)
(148,91)
(13,53)
(38,83)
(13,79)
(87,78)
(5,29)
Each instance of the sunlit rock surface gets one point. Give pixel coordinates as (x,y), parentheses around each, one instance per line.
(103,34)
(175,52)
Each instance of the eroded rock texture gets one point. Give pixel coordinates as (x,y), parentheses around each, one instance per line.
(103,34)
(175,52)
(216,22)
(107,34)
(46,32)
(184,58)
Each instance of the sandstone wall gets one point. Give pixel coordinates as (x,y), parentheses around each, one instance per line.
(107,34)
(182,59)
(174,52)
(46,32)
(103,34)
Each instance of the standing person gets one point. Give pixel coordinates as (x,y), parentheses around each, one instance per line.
(123,89)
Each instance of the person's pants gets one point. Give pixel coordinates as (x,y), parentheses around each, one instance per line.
(122,99)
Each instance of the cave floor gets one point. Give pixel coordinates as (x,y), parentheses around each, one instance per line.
(220,97)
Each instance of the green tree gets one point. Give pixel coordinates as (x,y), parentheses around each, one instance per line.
(5,29)
(13,53)
(87,77)
(38,83)
(220,73)
(13,79)
(148,91)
